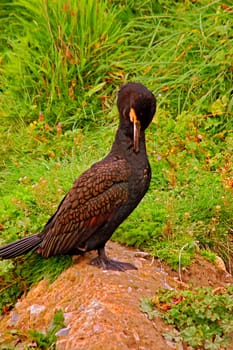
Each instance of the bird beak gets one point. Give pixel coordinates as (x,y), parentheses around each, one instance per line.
(136,129)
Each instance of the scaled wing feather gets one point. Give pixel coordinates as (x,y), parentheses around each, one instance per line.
(92,201)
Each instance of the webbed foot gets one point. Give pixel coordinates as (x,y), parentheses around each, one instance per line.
(102,261)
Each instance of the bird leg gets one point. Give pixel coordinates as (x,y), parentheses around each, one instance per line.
(108,264)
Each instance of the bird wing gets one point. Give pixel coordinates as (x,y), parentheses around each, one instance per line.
(91,202)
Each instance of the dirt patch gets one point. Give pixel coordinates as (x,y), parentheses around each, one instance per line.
(102,308)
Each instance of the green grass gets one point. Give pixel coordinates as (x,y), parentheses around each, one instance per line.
(57,56)
(63,63)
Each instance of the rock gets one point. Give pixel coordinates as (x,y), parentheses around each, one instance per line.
(36,309)
(220,264)
(63,332)
(14,319)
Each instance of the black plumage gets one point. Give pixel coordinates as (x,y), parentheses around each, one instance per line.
(104,195)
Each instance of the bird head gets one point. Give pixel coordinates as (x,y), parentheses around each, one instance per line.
(136,105)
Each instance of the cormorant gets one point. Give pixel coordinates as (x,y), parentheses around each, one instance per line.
(104,195)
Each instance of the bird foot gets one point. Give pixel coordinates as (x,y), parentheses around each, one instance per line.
(109,264)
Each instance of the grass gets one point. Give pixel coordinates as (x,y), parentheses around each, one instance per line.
(61,65)
(59,56)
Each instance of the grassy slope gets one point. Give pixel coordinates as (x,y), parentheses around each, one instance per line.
(62,66)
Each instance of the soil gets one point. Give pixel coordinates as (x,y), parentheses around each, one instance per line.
(102,308)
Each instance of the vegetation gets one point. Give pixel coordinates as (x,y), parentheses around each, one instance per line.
(48,340)
(202,317)
(37,339)
(61,65)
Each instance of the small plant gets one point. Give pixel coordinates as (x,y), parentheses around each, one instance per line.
(208,255)
(33,339)
(48,340)
(203,316)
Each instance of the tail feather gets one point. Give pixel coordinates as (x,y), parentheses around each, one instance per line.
(20,247)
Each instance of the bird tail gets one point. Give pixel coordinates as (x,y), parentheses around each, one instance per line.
(20,247)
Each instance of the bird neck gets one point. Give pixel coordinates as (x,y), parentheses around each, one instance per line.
(123,143)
